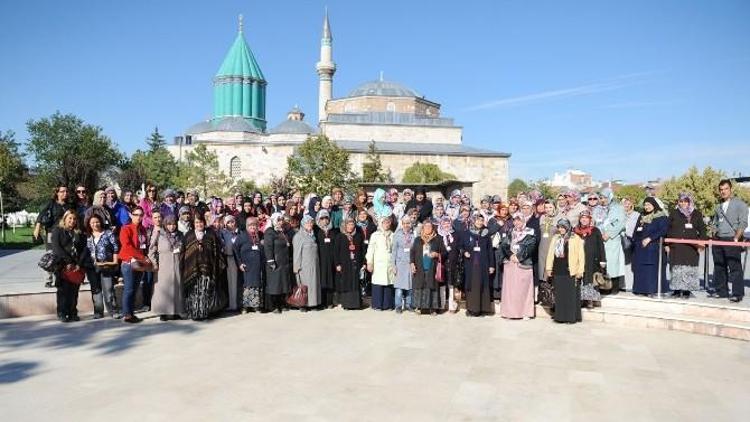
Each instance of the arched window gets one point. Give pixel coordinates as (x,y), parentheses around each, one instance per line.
(390,107)
(234,167)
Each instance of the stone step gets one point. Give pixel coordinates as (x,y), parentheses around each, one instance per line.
(721,311)
(668,321)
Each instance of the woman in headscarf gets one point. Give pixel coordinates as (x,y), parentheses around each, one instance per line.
(565,264)
(518,273)
(403,240)
(100,209)
(202,266)
(612,226)
(631,221)
(277,246)
(596,259)
(479,265)
(367,228)
(427,251)
(421,203)
(229,235)
(454,205)
(250,255)
(326,236)
(305,262)
(499,226)
(380,208)
(463,222)
(349,260)
(453,265)
(313,207)
(685,222)
(547,229)
(652,226)
(378,260)
(164,251)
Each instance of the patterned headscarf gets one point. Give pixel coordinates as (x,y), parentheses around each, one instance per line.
(560,244)
(687,211)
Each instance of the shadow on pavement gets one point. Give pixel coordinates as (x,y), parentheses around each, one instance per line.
(108,336)
(16,371)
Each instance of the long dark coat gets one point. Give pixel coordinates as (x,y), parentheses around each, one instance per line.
(422,280)
(593,249)
(681,254)
(326,252)
(348,278)
(205,258)
(646,260)
(254,259)
(485,257)
(278,248)
(451,260)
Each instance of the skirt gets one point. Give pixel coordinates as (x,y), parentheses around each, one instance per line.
(518,292)
(685,277)
(567,299)
(252,297)
(426,299)
(201,298)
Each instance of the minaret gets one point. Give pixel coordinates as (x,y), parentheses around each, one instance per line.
(326,68)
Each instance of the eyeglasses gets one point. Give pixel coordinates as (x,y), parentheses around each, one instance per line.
(81,191)
(137,214)
(151,190)
(593,199)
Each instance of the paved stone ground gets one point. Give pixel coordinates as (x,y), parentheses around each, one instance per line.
(366,366)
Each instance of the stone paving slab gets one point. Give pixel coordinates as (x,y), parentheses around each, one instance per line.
(365,366)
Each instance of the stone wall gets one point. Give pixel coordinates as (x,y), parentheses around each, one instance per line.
(393,133)
(408,105)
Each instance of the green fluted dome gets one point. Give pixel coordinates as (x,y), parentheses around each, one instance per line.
(240,61)
(240,89)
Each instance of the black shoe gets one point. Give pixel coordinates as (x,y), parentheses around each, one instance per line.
(163,318)
(735,299)
(277,311)
(686,294)
(74,318)
(132,319)
(399,310)
(677,293)
(303,309)
(65,319)
(98,315)
(48,285)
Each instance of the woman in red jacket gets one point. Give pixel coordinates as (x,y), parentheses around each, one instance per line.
(133,249)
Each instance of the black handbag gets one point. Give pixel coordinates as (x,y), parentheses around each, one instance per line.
(627,243)
(49,262)
(546,294)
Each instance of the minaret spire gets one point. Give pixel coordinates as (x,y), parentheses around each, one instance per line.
(326,68)
(241,23)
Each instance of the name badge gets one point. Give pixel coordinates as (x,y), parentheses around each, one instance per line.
(721,219)
(688,225)
(234,239)
(143,246)
(327,240)
(176,250)
(448,248)
(254,247)
(426,250)
(477,249)
(639,229)
(287,244)
(407,250)
(545,235)
(367,242)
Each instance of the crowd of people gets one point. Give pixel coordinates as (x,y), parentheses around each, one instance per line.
(404,251)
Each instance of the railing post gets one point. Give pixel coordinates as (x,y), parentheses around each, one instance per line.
(709,255)
(661,256)
(706,256)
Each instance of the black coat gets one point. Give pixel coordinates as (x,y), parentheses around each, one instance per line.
(527,247)
(348,278)
(422,280)
(593,249)
(424,208)
(484,258)
(452,259)
(69,247)
(326,250)
(253,256)
(679,227)
(278,250)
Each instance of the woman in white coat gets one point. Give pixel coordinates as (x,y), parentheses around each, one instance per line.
(379,264)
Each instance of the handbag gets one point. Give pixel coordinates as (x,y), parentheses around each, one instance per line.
(73,276)
(439,276)
(298,297)
(627,243)
(602,281)
(142,266)
(546,294)
(49,262)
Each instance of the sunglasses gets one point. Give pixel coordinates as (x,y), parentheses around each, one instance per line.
(137,215)
(593,199)
(81,191)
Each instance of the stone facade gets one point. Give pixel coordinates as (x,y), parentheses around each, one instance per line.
(412,105)
(393,133)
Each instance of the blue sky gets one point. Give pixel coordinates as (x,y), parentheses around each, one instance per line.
(623,89)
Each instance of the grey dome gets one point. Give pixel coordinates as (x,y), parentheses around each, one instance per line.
(293,126)
(383,89)
(225,124)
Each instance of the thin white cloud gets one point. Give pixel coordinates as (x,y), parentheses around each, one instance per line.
(638,104)
(612,84)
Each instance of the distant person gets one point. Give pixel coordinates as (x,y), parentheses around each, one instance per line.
(149,202)
(349,257)
(730,220)
(119,210)
(565,265)
(378,260)
(685,222)
(48,218)
(427,251)
(652,226)
(165,251)
(81,202)
(103,249)
(305,262)
(519,252)
(277,247)
(631,220)
(133,251)
(202,267)
(249,254)
(612,226)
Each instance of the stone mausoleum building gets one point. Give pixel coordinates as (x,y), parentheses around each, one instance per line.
(406,126)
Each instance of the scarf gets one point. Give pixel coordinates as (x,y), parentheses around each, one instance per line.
(426,238)
(174,238)
(648,218)
(584,231)
(687,211)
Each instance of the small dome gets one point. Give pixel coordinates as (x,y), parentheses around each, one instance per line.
(225,124)
(383,89)
(293,126)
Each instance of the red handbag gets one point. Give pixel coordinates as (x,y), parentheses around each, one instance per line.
(298,297)
(74,276)
(439,276)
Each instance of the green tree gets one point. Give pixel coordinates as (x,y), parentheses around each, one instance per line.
(200,170)
(517,186)
(318,165)
(372,169)
(12,171)
(547,191)
(67,150)
(156,141)
(156,164)
(425,173)
(635,192)
(704,186)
